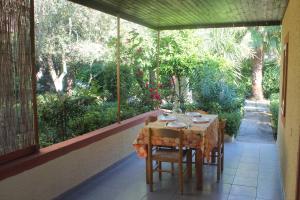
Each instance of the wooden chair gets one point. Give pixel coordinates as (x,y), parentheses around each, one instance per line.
(222,124)
(202,112)
(150,119)
(165,155)
(217,153)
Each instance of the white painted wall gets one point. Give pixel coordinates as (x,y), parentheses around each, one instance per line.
(59,175)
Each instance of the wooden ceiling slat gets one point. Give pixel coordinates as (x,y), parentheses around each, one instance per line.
(178,14)
(223,25)
(195,12)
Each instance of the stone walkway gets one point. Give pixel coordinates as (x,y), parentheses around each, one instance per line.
(256,125)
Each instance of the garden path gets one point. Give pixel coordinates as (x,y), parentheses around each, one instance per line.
(256,125)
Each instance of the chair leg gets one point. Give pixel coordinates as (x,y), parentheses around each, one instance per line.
(213,155)
(189,163)
(180,177)
(222,163)
(222,160)
(150,174)
(147,171)
(172,169)
(159,168)
(219,168)
(219,164)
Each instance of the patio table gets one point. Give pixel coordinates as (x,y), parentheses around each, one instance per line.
(202,137)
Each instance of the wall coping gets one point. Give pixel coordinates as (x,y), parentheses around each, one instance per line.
(54,151)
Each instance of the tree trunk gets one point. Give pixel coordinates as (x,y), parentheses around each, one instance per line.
(151,77)
(180,95)
(257,74)
(70,83)
(56,77)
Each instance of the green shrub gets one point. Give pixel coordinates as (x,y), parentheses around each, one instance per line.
(271,78)
(188,107)
(274,108)
(233,121)
(245,84)
(63,117)
(168,106)
(108,79)
(214,87)
(56,111)
(88,122)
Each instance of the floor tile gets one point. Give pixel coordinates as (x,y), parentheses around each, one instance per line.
(245,181)
(227,179)
(238,190)
(247,173)
(229,171)
(240,197)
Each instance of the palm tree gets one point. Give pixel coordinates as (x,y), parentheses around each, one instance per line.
(265,41)
(228,43)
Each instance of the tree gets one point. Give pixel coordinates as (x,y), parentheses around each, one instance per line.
(67,33)
(178,58)
(138,54)
(265,41)
(231,44)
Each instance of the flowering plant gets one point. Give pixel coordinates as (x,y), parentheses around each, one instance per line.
(154,94)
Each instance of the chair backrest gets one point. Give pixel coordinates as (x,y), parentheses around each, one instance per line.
(150,119)
(165,133)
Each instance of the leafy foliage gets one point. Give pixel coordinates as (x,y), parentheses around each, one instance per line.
(233,121)
(64,117)
(215,91)
(208,69)
(178,61)
(266,44)
(213,86)
(274,107)
(271,78)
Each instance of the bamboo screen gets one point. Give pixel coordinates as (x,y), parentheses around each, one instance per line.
(16,110)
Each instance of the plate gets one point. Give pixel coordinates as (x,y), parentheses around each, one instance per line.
(176,125)
(193,114)
(166,111)
(200,120)
(167,118)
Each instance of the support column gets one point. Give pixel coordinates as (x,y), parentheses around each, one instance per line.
(157,57)
(33,76)
(118,60)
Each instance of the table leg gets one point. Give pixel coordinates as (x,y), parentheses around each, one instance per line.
(189,162)
(147,171)
(199,167)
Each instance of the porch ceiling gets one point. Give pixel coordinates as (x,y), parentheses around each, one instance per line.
(180,14)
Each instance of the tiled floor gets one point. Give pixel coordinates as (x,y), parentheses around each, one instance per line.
(251,172)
